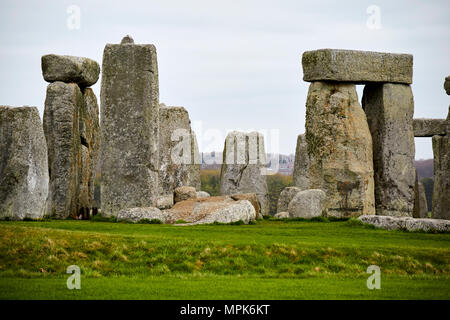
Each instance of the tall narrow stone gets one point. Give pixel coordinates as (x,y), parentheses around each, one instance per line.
(441,189)
(420,200)
(301,164)
(129,127)
(340,146)
(62,132)
(389,109)
(23,164)
(90,143)
(179,155)
(244,167)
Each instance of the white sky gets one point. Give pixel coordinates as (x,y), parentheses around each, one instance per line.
(232,64)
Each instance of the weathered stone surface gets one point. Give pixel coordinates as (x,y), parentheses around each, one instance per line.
(429,127)
(90,143)
(184,193)
(282,215)
(164,201)
(406,223)
(23,164)
(244,167)
(340,146)
(441,190)
(138,214)
(253,198)
(301,164)
(389,109)
(179,155)
(308,204)
(221,209)
(203,194)
(356,66)
(127,40)
(286,196)
(129,127)
(70,69)
(62,132)
(447,85)
(420,200)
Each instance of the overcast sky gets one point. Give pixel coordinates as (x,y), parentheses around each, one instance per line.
(232,64)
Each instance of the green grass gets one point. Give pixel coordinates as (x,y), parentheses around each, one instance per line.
(267,260)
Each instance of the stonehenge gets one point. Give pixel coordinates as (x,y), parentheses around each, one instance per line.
(243,167)
(363,158)
(71,129)
(354,159)
(23,164)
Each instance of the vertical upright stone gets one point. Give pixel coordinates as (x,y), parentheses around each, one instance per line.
(420,200)
(90,142)
(129,127)
(340,146)
(301,164)
(244,167)
(441,189)
(61,127)
(389,108)
(179,155)
(23,164)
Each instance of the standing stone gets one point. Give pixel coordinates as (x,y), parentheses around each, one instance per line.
(441,189)
(357,66)
(61,127)
(129,127)
(340,145)
(90,141)
(301,164)
(179,155)
(23,164)
(420,200)
(244,167)
(389,108)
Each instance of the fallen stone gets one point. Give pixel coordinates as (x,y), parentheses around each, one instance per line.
(301,163)
(406,223)
(340,146)
(61,128)
(389,109)
(441,189)
(252,197)
(83,71)
(203,194)
(429,127)
(129,127)
(285,198)
(23,164)
(244,167)
(420,200)
(222,209)
(184,193)
(308,204)
(179,155)
(356,66)
(138,214)
(447,85)
(164,201)
(282,215)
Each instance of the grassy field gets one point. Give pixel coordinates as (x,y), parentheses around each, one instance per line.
(267,260)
